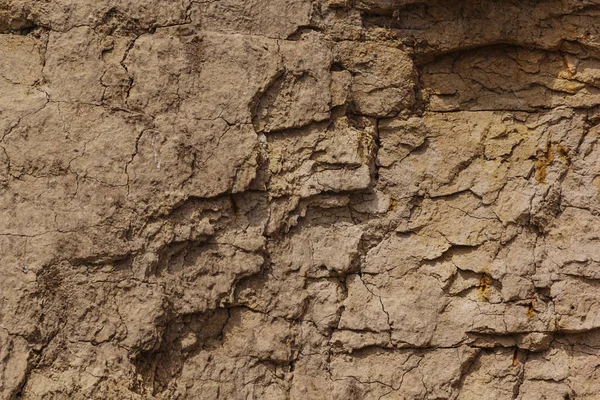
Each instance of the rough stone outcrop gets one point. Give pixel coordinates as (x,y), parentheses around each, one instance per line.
(300,199)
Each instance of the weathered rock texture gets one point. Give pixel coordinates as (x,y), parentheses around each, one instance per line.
(299,199)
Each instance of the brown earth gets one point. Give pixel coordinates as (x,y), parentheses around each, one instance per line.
(300,199)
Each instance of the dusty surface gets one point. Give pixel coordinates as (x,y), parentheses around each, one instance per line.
(299,199)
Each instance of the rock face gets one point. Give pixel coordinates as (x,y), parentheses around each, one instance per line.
(300,199)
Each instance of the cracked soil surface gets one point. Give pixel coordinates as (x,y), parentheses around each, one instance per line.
(300,199)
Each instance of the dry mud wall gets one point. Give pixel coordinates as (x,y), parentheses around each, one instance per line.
(299,199)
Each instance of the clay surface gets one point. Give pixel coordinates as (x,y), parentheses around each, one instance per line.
(300,199)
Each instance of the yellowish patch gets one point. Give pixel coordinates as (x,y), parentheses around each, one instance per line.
(531,308)
(484,287)
(541,166)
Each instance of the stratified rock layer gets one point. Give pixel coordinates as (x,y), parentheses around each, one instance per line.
(299,199)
